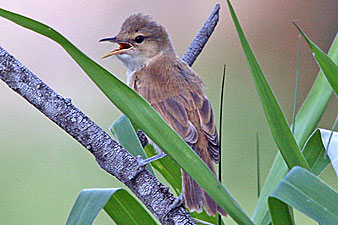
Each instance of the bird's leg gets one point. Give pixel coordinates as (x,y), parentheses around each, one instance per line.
(179,201)
(143,162)
(143,138)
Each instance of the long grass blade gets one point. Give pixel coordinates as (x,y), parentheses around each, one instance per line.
(329,68)
(220,132)
(258,166)
(221,123)
(281,212)
(307,119)
(297,87)
(167,168)
(279,127)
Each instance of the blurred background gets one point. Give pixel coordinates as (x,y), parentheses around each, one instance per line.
(42,169)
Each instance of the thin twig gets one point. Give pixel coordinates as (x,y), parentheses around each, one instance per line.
(258,166)
(297,86)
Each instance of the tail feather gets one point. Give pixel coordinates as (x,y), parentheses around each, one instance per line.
(193,193)
(209,204)
(195,197)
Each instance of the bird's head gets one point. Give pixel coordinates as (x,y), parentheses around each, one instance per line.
(139,40)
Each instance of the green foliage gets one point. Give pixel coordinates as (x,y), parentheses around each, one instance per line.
(304,191)
(118,204)
(315,153)
(280,130)
(124,131)
(307,119)
(326,64)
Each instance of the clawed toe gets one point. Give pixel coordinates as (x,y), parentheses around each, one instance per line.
(143,162)
(179,201)
(139,168)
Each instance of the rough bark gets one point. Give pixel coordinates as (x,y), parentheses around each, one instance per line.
(108,153)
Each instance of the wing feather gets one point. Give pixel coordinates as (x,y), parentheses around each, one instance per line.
(177,93)
(176,115)
(207,123)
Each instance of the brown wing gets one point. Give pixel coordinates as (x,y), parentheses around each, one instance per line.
(177,93)
(207,123)
(174,112)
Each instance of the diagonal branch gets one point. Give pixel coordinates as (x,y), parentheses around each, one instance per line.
(202,37)
(109,154)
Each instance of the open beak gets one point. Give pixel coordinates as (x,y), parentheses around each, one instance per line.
(123,46)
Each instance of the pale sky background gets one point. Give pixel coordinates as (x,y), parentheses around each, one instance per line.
(43,169)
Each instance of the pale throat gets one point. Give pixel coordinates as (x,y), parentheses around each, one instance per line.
(133,64)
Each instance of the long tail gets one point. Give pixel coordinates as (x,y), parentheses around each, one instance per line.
(195,197)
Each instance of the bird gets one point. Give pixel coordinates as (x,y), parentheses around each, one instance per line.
(175,91)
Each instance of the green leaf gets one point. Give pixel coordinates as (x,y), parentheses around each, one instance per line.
(329,68)
(204,218)
(305,192)
(315,103)
(306,121)
(281,212)
(144,116)
(315,154)
(125,133)
(118,204)
(279,127)
(123,208)
(280,130)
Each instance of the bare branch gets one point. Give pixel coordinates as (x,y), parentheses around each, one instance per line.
(108,153)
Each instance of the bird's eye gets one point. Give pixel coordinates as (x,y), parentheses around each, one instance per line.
(139,39)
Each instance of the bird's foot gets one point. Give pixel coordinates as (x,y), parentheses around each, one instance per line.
(139,168)
(179,201)
(143,162)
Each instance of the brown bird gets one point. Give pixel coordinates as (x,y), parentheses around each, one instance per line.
(175,91)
